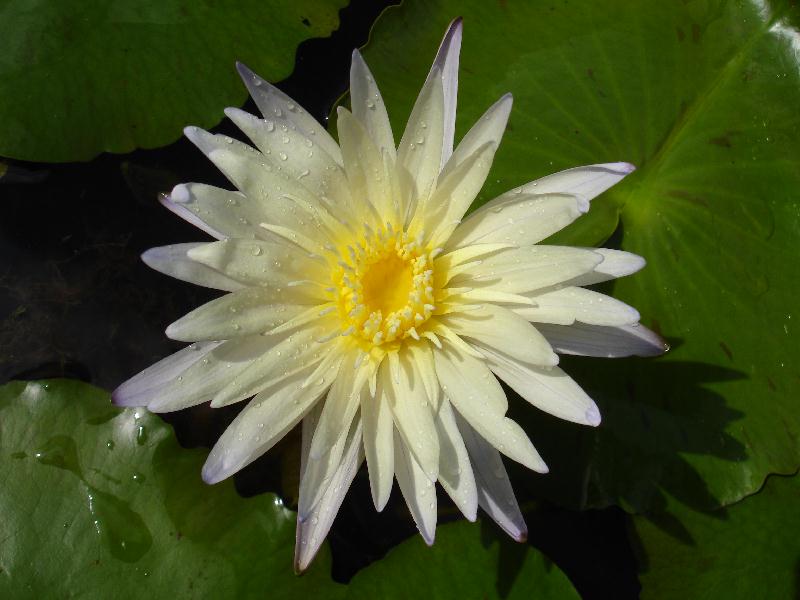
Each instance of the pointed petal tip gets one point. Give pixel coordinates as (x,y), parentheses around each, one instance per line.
(247,75)
(118,398)
(180,194)
(593,417)
(456,25)
(212,472)
(173,332)
(471,513)
(150,256)
(300,567)
(626,167)
(522,536)
(429,538)
(303,557)
(380,503)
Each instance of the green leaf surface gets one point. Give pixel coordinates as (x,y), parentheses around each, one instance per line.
(749,550)
(101,502)
(702,96)
(466,561)
(80,78)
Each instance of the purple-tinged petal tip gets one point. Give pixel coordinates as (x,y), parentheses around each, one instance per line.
(593,416)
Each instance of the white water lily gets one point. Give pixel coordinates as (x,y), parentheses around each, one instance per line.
(363,304)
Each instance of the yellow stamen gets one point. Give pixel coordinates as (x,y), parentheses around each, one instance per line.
(384,288)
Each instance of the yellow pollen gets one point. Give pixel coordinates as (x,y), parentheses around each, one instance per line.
(386,284)
(383,287)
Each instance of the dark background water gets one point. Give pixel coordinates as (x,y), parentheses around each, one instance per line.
(76,301)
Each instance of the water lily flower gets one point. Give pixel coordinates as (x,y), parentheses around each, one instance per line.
(363,304)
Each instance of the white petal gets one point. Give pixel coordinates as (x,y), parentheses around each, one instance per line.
(244,312)
(368,106)
(262,423)
(467,254)
(274,104)
(363,163)
(340,406)
(256,262)
(455,471)
(412,412)
(139,389)
(610,342)
(550,390)
(203,379)
(417,489)
(503,433)
(464,376)
(567,305)
(446,63)
(420,150)
(616,263)
(421,356)
(465,172)
(488,129)
(378,444)
(307,429)
(495,494)
(232,214)
(291,150)
(519,219)
(172,260)
(442,212)
(503,331)
(288,352)
(312,531)
(286,202)
(173,204)
(318,473)
(588,182)
(521,270)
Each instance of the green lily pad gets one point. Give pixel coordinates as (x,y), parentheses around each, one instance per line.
(701,96)
(749,550)
(77,79)
(102,502)
(466,561)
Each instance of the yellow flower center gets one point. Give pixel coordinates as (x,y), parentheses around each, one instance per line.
(383,287)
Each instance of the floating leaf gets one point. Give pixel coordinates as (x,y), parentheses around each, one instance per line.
(466,561)
(102,502)
(77,79)
(702,96)
(749,550)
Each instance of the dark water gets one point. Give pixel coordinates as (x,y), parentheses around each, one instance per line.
(76,301)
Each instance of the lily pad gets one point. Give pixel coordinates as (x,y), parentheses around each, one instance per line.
(77,79)
(749,550)
(102,502)
(702,96)
(466,561)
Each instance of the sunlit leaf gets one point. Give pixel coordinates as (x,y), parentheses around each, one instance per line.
(101,502)
(702,96)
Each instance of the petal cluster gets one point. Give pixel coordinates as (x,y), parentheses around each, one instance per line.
(363,304)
